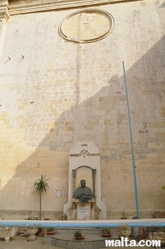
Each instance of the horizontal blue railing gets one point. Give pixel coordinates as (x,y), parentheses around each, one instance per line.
(83,224)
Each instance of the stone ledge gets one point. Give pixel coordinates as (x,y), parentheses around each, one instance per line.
(4,11)
(62,4)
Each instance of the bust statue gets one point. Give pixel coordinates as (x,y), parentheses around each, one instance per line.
(83,193)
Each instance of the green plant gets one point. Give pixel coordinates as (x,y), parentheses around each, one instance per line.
(31,218)
(106,230)
(124,215)
(50,229)
(62,217)
(124,227)
(77,234)
(40,186)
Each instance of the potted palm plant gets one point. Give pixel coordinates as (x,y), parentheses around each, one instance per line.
(40,186)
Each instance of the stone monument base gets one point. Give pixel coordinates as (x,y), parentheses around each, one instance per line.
(65,239)
(87,211)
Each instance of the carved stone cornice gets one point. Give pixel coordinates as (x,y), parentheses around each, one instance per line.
(17,8)
(4,10)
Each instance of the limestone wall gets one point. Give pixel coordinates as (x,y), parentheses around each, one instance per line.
(54,92)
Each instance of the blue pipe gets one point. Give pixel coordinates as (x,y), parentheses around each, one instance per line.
(131,140)
(84,224)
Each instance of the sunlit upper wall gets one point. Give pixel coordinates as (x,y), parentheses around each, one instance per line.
(54,92)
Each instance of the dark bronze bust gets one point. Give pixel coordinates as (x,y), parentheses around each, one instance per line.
(83,193)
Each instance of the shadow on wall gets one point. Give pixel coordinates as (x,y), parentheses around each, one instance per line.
(163,5)
(102,118)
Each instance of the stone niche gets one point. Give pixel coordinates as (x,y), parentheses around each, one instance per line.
(84,163)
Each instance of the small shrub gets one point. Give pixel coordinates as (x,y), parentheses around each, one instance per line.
(31,218)
(77,234)
(106,230)
(50,229)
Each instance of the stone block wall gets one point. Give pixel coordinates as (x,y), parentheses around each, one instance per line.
(54,92)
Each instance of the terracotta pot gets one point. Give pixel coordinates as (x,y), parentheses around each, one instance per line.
(106,235)
(51,233)
(80,237)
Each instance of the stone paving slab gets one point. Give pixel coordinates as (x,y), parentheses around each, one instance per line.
(21,243)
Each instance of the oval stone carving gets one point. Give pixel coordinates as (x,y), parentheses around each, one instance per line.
(87,26)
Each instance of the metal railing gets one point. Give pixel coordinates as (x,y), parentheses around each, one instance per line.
(84,224)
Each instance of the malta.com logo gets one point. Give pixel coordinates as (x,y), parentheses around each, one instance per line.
(125,242)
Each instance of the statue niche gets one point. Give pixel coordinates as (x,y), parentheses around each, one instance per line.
(83,200)
(84,183)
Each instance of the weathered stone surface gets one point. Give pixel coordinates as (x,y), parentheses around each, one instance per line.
(54,92)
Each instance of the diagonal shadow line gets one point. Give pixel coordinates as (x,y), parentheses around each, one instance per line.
(147,74)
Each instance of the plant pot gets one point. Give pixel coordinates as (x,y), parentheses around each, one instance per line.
(106,235)
(32,231)
(80,237)
(125,231)
(51,233)
(158,235)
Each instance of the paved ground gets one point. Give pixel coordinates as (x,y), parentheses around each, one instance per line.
(21,243)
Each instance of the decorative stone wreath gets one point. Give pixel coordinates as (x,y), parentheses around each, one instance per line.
(101,30)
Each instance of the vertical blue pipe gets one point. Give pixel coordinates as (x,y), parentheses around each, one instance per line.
(131,140)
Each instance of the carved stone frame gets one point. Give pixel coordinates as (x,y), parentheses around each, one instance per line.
(85,153)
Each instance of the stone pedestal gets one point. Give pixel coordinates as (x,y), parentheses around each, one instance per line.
(81,211)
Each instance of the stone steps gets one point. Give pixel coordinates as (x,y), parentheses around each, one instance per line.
(64,238)
(67,241)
